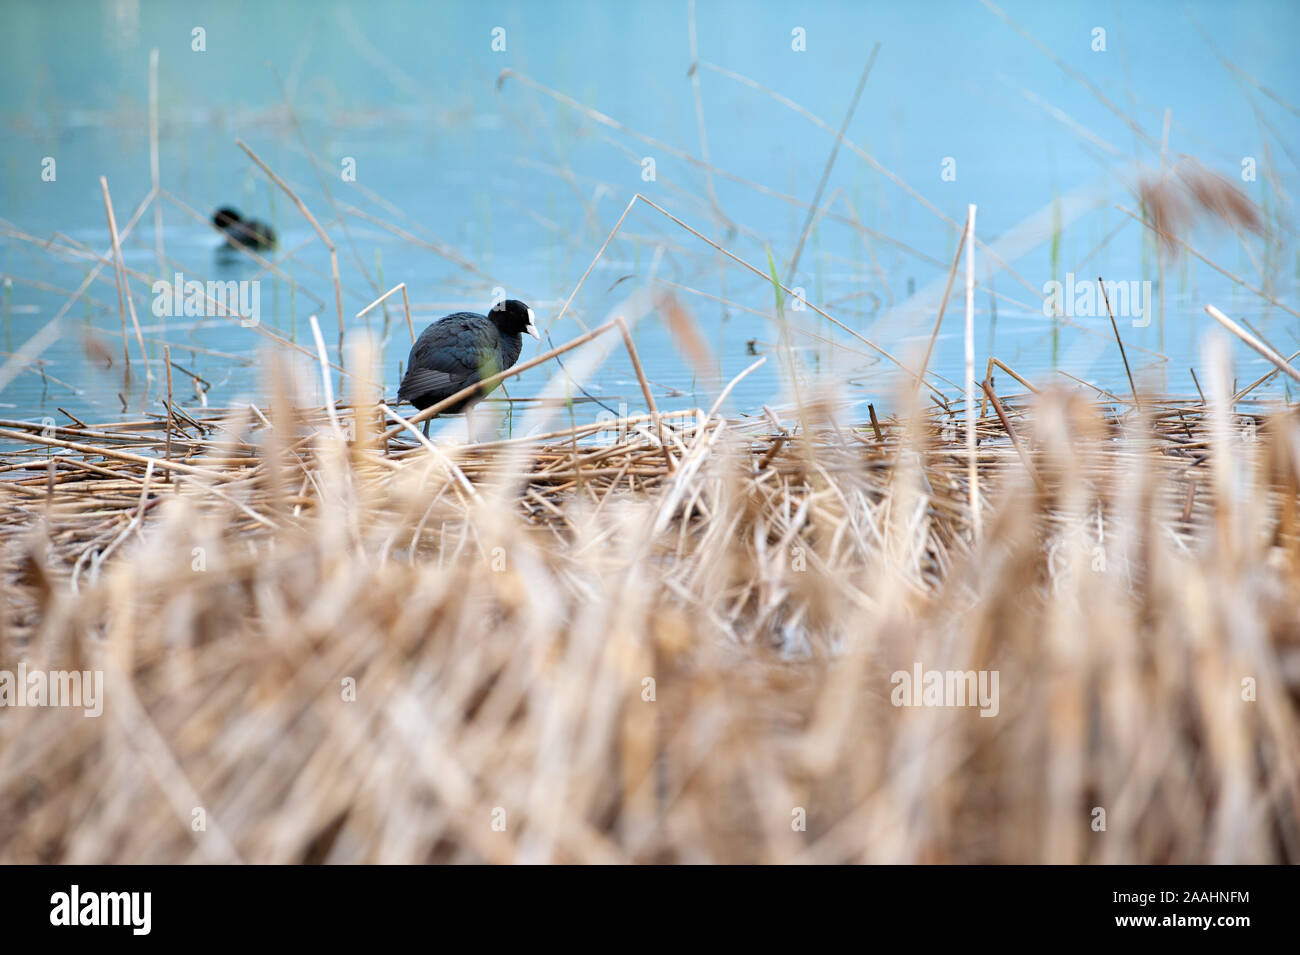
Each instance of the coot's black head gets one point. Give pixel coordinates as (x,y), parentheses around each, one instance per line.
(514,317)
(225,217)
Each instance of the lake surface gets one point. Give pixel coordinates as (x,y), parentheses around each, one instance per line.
(465,184)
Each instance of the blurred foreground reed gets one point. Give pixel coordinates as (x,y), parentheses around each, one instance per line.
(321,647)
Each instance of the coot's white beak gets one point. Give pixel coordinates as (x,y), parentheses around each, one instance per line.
(532,329)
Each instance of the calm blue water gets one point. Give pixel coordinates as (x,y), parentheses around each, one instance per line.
(461,186)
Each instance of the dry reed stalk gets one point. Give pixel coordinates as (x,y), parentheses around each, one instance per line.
(1262,378)
(154,168)
(1264,349)
(325,377)
(943,305)
(1010,431)
(167,358)
(645,388)
(406,304)
(324,237)
(830,163)
(1119,341)
(972,472)
(699,116)
(988,376)
(119,270)
(111,453)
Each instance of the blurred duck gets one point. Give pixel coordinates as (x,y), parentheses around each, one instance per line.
(238,231)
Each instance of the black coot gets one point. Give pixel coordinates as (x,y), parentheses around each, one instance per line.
(456,351)
(240,231)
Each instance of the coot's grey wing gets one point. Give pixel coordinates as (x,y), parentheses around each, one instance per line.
(426,381)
